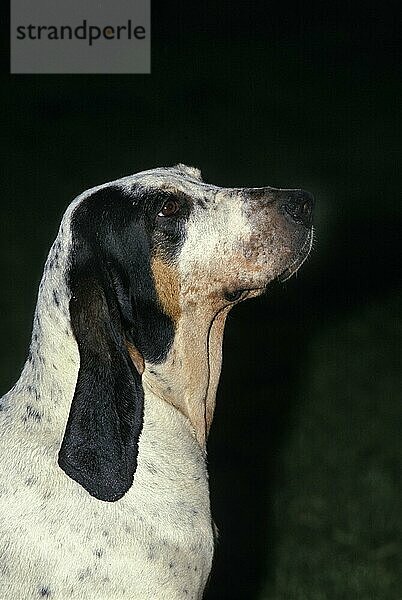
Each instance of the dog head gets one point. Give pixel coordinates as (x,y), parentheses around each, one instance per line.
(157,261)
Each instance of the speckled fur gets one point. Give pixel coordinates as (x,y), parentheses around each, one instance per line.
(56,540)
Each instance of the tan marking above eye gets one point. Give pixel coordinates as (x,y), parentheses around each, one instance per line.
(166,279)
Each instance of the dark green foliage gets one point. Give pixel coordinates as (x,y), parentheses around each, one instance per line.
(338,502)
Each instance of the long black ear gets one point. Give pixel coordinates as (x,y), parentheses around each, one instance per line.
(100,445)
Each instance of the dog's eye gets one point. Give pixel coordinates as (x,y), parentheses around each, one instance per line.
(233,296)
(170,208)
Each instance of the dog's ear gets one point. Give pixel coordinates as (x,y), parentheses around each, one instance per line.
(100,445)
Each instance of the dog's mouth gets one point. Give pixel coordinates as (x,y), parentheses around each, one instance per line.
(299,259)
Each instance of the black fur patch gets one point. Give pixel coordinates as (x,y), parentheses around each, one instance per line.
(114,234)
(113,300)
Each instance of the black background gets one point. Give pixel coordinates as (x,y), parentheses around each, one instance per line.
(254,93)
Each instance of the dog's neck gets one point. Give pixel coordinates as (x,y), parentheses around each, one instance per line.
(49,376)
(188,379)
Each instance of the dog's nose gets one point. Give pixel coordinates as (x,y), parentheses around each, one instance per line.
(299,207)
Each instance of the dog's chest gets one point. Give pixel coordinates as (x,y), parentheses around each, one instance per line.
(135,557)
(88,552)
(155,542)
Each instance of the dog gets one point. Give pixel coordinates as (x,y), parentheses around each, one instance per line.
(103,480)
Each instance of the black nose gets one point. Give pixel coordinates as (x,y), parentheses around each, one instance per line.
(300,207)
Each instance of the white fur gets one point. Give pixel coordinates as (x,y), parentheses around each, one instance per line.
(214,234)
